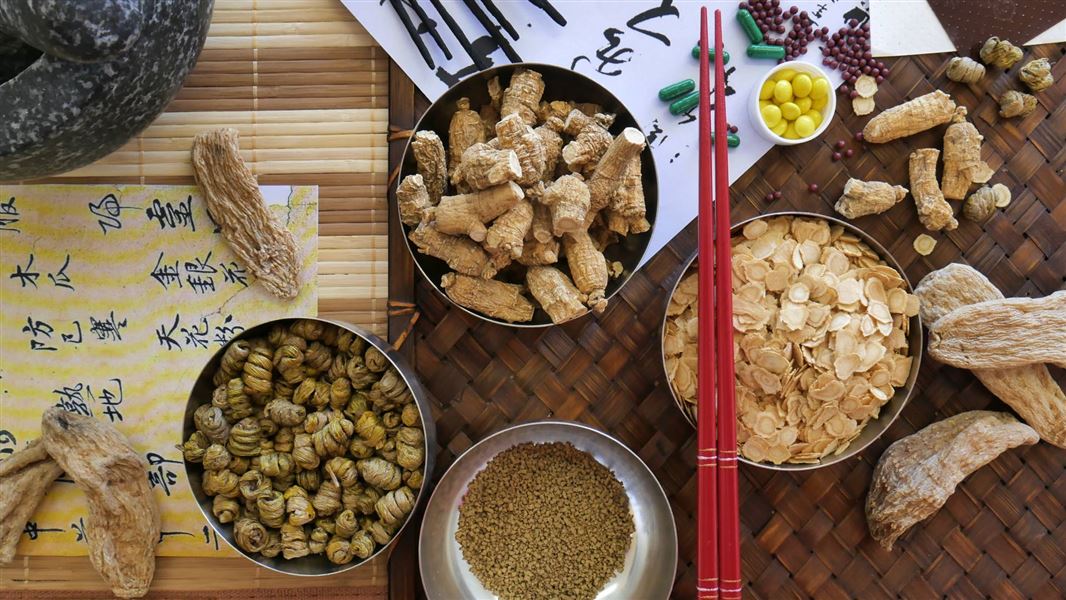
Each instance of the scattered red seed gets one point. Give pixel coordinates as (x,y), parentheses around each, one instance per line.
(769,197)
(813,188)
(777,195)
(841,143)
(836,156)
(858,136)
(849,153)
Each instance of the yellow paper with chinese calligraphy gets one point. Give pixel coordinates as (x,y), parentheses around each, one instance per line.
(113,298)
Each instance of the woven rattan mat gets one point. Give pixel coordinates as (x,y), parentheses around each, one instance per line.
(1001,535)
(308,89)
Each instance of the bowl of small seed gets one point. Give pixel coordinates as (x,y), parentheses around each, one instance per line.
(527,195)
(544,510)
(827,335)
(306,445)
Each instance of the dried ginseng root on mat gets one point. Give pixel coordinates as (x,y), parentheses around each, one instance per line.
(236,205)
(122,528)
(918,473)
(25,476)
(1030,389)
(1002,333)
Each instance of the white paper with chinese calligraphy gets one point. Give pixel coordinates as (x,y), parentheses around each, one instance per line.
(114,298)
(633,48)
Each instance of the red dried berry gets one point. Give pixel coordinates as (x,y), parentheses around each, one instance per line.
(849,153)
(836,156)
(777,195)
(813,188)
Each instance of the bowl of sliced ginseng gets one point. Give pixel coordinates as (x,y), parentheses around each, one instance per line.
(527,195)
(827,335)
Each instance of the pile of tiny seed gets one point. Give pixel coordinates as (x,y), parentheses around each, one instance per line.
(545,521)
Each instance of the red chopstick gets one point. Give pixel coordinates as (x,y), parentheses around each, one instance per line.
(728,509)
(707,454)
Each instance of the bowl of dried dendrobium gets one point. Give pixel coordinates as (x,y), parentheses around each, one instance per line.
(306,445)
(527,195)
(827,340)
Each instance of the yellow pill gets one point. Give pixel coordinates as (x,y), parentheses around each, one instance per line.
(804,104)
(815,116)
(764,103)
(767,90)
(785,75)
(782,92)
(780,128)
(819,88)
(801,85)
(790,111)
(771,114)
(790,132)
(819,103)
(805,126)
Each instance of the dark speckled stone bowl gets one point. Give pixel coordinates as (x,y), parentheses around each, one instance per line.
(68,98)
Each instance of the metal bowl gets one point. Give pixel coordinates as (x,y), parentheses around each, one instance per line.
(559,84)
(650,564)
(889,412)
(314,564)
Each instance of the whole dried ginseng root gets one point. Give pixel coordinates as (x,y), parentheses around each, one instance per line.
(933,211)
(1016,104)
(922,113)
(494,298)
(432,166)
(122,528)
(588,268)
(962,157)
(235,203)
(918,473)
(965,70)
(1029,390)
(1002,333)
(862,198)
(25,476)
(556,294)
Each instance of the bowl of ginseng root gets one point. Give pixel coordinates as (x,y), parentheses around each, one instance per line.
(527,195)
(827,338)
(306,444)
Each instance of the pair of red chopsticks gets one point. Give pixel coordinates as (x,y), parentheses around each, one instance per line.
(718,516)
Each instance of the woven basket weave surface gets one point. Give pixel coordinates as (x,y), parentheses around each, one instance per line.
(1001,535)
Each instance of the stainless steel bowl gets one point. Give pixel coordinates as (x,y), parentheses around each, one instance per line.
(652,559)
(889,412)
(560,84)
(315,564)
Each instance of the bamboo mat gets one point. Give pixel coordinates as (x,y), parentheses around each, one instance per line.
(1001,535)
(307,88)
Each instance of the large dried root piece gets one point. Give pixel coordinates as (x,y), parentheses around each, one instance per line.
(965,70)
(1016,104)
(1037,74)
(553,145)
(508,233)
(555,293)
(541,229)
(980,205)
(591,140)
(962,157)
(922,113)
(918,473)
(627,211)
(122,529)
(536,253)
(412,198)
(494,298)
(431,164)
(1002,333)
(1000,53)
(258,239)
(522,96)
(933,211)
(25,476)
(464,130)
(483,166)
(515,135)
(1029,390)
(568,199)
(863,198)
(611,170)
(466,214)
(588,267)
(462,254)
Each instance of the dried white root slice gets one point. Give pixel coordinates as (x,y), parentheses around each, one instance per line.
(1003,195)
(918,473)
(863,106)
(923,244)
(866,86)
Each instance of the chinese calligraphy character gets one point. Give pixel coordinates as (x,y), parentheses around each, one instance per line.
(75,399)
(8,442)
(32,530)
(234,273)
(9,215)
(36,328)
(225,332)
(166,274)
(165,336)
(60,278)
(159,474)
(26,276)
(80,528)
(107,211)
(198,274)
(196,335)
(73,338)
(111,402)
(665,9)
(107,328)
(168,215)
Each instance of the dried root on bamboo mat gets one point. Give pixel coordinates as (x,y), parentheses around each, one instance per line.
(235,203)
(1012,332)
(1016,104)
(1029,390)
(821,325)
(1037,74)
(922,113)
(861,198)
(122,529)
(965,70)
(1000,53)
(311,445)
(963,165)
(918,473)
(25,476)
(934,212)
(533,183)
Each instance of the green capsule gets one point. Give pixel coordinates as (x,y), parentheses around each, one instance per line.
(766,51)
(710,54)
(747,23)
(685,103)
(732,140)
(676,90)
